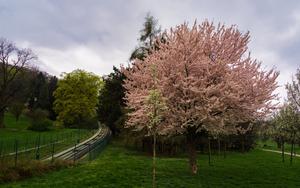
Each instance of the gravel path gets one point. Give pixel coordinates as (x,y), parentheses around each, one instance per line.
(276,151)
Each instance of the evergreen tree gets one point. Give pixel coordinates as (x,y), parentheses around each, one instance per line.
(111,102)
(149,32)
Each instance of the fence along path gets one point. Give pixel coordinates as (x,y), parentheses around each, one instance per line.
(40,147)
(98,140)
(32,149)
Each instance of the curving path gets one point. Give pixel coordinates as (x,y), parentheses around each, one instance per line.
(276,151)
(78,151)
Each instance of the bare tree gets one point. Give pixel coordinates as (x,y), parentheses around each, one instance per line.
(13,63)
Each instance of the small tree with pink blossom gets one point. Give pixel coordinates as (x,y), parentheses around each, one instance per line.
(208,82)
(149,111)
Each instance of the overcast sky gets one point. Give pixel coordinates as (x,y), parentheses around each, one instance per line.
(95,34)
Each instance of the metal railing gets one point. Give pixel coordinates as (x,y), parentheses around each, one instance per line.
(90,148)
(14,151)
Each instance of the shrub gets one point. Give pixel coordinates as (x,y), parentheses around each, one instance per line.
(39,121)
(91,123)
(40,125)
(29,169)
(37,114)
(84,123)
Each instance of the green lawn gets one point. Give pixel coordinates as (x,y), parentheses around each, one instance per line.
(120,167)
(269,144)
(12,124)
(17,132)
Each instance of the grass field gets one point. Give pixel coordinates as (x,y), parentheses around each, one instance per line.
(120,167)
(17,132)
(18,129)
(269,144)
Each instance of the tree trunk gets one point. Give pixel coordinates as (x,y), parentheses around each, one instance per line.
(279,144)
(291,157)
(219,146)
(17,118)
(191,144)
(292,148)
(2,125)
(209,153)
(154,161)
(225,148)
(143,144)
(243,144)
(282,150)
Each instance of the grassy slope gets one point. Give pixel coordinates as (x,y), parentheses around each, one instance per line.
(17,130)
(119,167)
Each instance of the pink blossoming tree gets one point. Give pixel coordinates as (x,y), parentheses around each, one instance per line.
(207,79)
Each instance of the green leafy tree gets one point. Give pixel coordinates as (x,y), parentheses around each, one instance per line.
(41,92)
(286,126)
(278,131)
(111,103)
(51,88)
(76,97)
(155,108)
(39,95)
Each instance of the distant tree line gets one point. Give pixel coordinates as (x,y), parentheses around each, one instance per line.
(76,99)
(22,85)
(70,101)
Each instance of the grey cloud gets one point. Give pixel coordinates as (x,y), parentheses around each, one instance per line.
(61,31)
